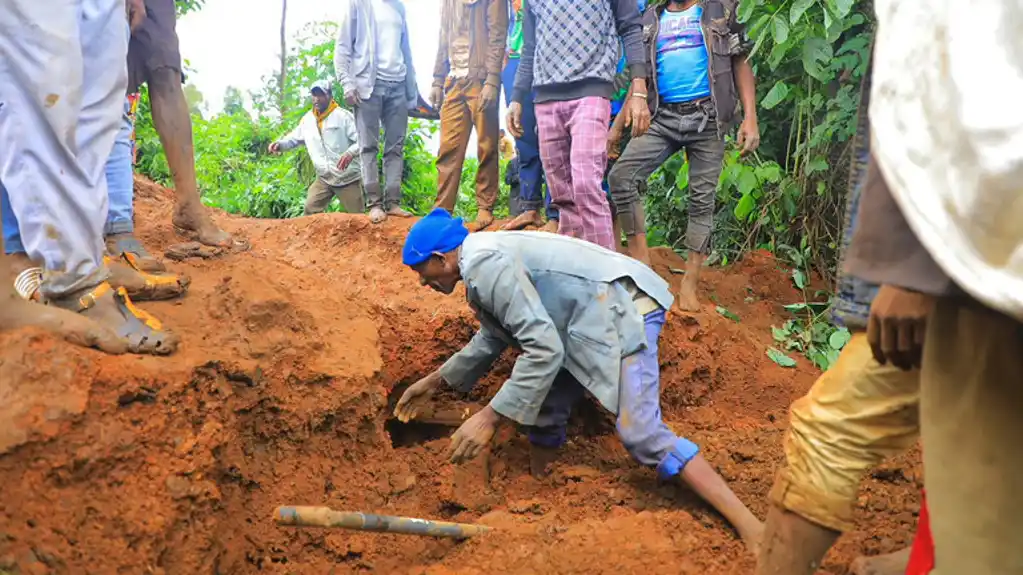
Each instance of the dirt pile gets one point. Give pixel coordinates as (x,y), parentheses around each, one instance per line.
(280,395)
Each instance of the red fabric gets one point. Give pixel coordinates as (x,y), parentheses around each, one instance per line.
(921,557)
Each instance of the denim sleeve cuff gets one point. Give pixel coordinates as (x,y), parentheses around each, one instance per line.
(676,460)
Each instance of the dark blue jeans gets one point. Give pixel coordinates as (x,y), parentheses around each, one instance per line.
(528,149)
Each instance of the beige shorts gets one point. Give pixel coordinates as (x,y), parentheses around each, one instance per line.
(857,414)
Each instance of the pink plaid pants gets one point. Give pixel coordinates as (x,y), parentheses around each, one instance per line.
(573,149)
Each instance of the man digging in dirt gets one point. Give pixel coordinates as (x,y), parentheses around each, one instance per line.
(62,104)
(585,318)
(153,58)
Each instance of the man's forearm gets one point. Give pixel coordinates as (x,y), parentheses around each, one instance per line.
(745,82)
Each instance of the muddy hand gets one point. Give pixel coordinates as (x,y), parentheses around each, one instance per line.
(473,436)
(416,397)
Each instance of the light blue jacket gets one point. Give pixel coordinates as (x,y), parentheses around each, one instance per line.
(355,61)
(557,299)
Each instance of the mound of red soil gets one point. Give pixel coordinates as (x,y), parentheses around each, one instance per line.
(280,395)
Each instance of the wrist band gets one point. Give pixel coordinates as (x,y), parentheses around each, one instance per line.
(639,95)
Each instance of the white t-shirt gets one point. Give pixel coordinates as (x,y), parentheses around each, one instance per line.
(946,112)
(390,59)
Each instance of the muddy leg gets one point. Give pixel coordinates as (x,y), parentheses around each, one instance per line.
(701,478)
(688,296)
(889,564)
(792,545)
(173,124)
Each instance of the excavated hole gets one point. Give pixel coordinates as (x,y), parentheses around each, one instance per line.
(415,432)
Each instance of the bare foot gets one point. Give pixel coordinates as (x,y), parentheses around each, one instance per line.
(551,226)
(74,328)
(688,300)
(540,460)
(377,215)
(399,213)
(483,219)
(196,225)
(890,564)
(527,218)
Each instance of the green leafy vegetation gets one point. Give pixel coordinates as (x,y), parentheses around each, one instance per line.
(787,197)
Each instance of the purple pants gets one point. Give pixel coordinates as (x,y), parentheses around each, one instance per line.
(573,149)
(642,430)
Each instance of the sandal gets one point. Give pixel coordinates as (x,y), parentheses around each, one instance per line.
(237,244)
(143,333)
(181,252)
(154,287)
(126,246)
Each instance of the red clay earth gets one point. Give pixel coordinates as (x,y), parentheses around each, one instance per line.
(280,395)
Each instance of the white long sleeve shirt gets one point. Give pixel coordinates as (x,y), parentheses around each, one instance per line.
(946,111)
(325,149)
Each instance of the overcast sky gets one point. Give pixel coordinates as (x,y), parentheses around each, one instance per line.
(236,42)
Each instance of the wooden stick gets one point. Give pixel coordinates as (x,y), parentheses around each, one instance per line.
(304,516)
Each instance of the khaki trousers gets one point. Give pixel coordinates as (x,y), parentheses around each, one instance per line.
(458,115)
(320,194)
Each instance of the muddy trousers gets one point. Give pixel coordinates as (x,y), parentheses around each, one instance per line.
(671,130)
(120,189)
(321,193)
(63,79)
(971,398)
(388,105)
(857,414)
(573,147)
(640,426)
(459,114)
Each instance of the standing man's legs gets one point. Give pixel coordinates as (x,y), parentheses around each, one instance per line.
(857,414)
(555,141)
(705,153)
(488,134)
(639,159)
(154,58)
(528,150)
(54,146)
(455,129)
(588,125)
(350,196)
(367,124)
(970,405)
(395,120)
(317,198)
(120,228)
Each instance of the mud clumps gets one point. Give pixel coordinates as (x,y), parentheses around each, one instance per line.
(281,395)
